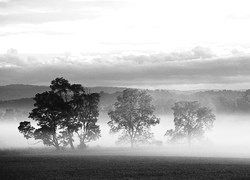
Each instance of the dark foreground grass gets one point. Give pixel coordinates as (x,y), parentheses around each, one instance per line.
(69,166)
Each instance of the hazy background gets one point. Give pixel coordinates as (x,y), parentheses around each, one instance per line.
(230,133)
(229,137)
(184,47)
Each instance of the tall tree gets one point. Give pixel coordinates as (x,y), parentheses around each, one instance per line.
(68,125)
(88,112)
(133,116)
(190,120)
(48,114)
(61,112)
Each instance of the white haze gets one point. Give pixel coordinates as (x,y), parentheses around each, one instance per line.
(229,137)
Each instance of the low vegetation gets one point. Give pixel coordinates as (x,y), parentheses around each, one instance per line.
(87,166)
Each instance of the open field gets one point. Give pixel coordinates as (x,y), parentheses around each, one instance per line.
(67,165)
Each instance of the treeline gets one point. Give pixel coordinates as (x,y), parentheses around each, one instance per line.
(69,110)
(221,101)
(14,110)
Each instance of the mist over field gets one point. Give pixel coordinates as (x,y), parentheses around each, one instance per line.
(124,89)
(228,138)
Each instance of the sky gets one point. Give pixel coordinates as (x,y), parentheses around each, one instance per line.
(155,44)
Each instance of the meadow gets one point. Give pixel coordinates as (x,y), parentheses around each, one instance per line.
(115,163)
(224,155)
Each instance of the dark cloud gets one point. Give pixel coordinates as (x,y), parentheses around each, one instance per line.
(229,70)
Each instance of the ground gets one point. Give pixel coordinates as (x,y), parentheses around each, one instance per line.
(16,165)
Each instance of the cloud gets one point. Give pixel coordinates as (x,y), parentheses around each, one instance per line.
(137,70)
(61,3)
(237,17)
(198,52)
(45,11)
(11,59)
(34,32)
(38,17)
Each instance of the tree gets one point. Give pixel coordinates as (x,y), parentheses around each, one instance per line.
(87,113)
(66,91)
(190,120)
(58,114)
(26,128)
(246,96)
(244,102)
(132,116)
(48,112)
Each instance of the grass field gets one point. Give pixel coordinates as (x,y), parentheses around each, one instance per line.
(14,165)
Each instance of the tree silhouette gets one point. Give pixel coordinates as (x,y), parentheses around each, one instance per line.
(87,112)
(26,128)
(48,112)
(68,125)
(132,116)
(190,120)
(58,114)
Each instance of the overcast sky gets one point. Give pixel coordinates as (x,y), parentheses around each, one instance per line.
(180,44)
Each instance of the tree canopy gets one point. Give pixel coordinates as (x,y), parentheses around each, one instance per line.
(61,112)
(190,120)
(132,115)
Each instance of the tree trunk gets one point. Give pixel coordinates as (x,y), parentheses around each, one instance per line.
(189,139)
(132,144)
(82,145)
(71,140)
(71,143)
(57,147)
(56,144)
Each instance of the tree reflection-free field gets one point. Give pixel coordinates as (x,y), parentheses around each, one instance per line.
(76,166)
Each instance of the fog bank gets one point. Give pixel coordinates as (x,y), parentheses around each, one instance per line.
(230,137)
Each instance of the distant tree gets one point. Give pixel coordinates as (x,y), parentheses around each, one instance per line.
(190,120)
(10,114)
(26,128)
(244,101)
(133,116)
(87,113)
(58,113)
(247,95)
